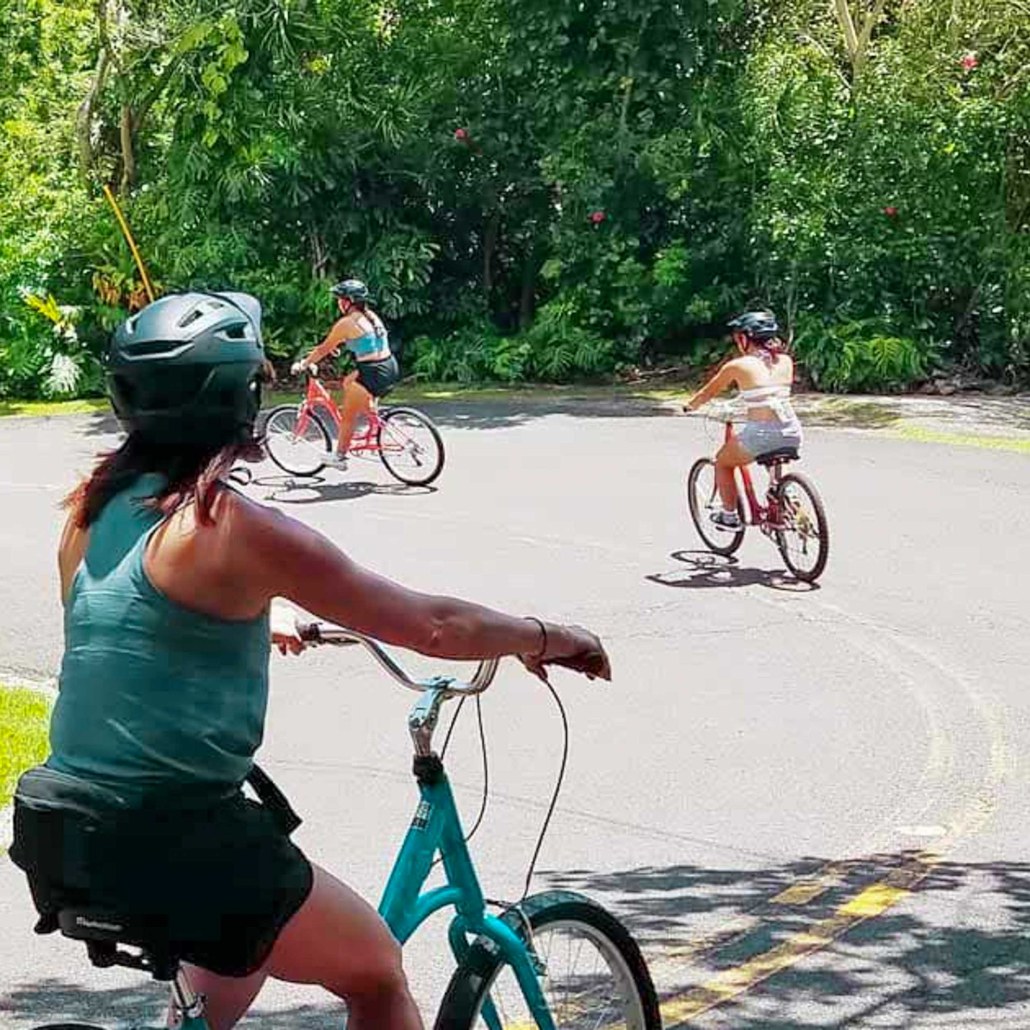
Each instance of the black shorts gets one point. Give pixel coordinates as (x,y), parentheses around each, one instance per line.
(219,881)
(379,377)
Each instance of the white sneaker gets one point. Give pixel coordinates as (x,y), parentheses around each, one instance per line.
(336,460)
(727,520)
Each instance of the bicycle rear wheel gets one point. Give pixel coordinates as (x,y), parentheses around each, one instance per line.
(68,1026)
(298,449)
(410,446)
(804,539)
(703,501)
(594,973)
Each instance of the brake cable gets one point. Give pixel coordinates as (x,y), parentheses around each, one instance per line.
(552,805)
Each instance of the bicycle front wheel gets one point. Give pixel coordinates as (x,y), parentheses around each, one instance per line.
(803,536)
(703,501)
(298,445)
(410,446)
(594,974)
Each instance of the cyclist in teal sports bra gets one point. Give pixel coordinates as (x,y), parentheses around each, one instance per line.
(168,578)
(362,332)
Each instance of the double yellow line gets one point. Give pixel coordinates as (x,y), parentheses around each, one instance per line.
(867,904)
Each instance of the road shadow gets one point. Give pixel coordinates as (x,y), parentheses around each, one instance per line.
(505,413)
(904,966)
(703,570)
(286,489)
(101,423)
(493,413)
(842,413)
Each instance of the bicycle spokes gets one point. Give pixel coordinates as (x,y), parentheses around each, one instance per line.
(801,529)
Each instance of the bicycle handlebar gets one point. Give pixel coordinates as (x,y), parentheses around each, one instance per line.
(323,633)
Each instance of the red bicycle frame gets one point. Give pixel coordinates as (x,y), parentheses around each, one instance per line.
(767,516)
(317,396)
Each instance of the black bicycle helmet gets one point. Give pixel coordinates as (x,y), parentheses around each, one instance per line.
(756,325)
(353,289)
(187,369)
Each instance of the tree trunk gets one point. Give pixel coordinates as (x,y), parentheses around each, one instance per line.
(527,294)
(84,116)
(856,41)
(128,156)
(490,236)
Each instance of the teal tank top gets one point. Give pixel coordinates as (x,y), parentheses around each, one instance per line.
(152,696)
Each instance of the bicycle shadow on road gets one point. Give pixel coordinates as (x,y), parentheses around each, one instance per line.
(286,489)
(706,570)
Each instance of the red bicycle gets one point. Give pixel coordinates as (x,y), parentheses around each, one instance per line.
(406,441)
(793,515)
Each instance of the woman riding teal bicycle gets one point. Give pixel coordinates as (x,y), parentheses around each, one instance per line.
(167,578)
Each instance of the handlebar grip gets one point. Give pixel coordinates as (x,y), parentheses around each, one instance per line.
(590,662)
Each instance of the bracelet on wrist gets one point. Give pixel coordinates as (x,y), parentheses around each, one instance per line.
(543,634)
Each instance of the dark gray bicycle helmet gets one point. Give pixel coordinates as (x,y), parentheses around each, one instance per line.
(353,289)
(757,325)
(187,368)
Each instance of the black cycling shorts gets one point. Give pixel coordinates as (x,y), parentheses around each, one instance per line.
(220,881)
(379,377)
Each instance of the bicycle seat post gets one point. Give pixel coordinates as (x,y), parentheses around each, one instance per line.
(186,1003)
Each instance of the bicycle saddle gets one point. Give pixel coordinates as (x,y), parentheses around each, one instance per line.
(103,930)
(778,457)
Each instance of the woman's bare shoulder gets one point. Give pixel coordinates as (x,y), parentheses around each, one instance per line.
(71,550)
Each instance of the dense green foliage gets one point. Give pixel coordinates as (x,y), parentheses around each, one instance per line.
(538,189)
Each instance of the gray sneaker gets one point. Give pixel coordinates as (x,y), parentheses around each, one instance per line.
(727,520)
(336,460)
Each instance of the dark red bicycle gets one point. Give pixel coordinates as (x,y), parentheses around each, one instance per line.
(793,515)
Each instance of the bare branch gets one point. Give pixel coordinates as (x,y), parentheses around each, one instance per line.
(128,155)
(871,21)
(843,12)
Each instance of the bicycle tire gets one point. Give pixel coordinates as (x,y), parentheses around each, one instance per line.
(717,540)
(285,460)
(822,528)
(477,973)
(68,1026)
(431,469)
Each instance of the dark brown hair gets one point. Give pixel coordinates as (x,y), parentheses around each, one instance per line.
(768,349)
(191,474)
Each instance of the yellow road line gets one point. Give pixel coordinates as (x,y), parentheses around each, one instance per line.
(731,983)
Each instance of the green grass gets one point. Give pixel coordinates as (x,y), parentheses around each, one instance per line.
(24,715)
(41,408)
(921,434)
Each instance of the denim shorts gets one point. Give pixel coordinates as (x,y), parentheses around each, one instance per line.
(758,438)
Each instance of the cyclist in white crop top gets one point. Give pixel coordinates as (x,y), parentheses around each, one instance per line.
(762,373)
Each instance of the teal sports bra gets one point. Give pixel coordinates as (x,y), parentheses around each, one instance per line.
(375,344)
(152,696)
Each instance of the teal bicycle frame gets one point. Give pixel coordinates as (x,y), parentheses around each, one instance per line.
(436,827)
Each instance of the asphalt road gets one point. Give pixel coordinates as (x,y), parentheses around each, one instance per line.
(810,805)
